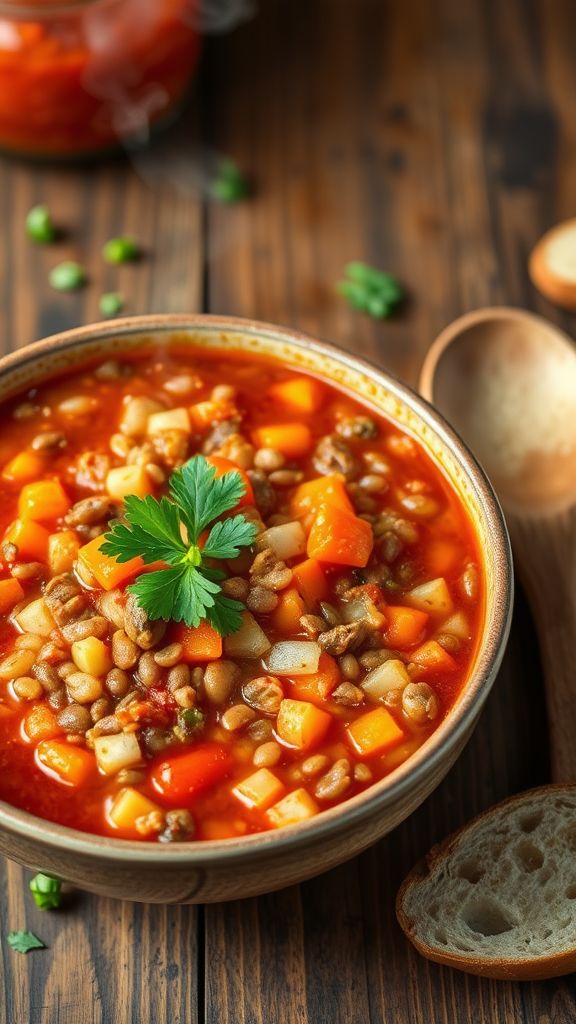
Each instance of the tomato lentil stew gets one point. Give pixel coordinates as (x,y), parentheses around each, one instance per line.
(361,600)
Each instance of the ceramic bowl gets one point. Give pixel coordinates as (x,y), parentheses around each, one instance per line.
(233,868)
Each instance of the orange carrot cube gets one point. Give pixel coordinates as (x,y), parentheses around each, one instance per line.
(40,724)
(286,616)
(106,570)
(11,592)
(291,439)
(311,582)
(374,733)
(340,538)
(23,467)
(404,626)
(431,658)
(301,724)
(70,764)
(201,643)
(43,501)
(30,538)
(300,394)
(325,490)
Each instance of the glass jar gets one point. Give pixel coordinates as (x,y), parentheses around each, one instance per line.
(78,77)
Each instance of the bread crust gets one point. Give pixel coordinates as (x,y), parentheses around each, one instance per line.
(558,290)
(506,969)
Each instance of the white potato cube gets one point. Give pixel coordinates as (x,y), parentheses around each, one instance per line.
(432,597)
(121,750)
(392,675)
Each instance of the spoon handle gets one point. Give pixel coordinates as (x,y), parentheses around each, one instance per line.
(546,555)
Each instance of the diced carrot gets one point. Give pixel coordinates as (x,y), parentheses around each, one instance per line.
(291,439)
(63,550)
(218,828)
(43,501)
(40,724)
(106,570)
(310,496)
(23,467)
(311,581)
(404,626)
(201,643)
(69,763)
(340,538)
(301,724)
(431,657)
(440,556)
(10,593)
(286,617)
(260,790)
(30,538)
(222,466)
(181,777)
(205,414)
(374,733)
(301,394)
(294,807)
(317,687)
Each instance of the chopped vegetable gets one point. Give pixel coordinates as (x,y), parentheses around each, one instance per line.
(46,891)
(291,439)
(286,541)
(127,806)
(404,626)
(120,250)
(248,641)
(188,590)
(67,276)
(40,724)
(340,538)
(310,497)
(431,657)
(120,750)
(260,790)
(191,720)
(296,806)
(36,618)
(301,724)
(286,616)
(184,776)
(43,501)
(108,572)
(70,764)
(301,394)
(374,733)
(39,224)
(294,657)
(128,480)
(111,304)
(370,290)
(11,592)
(229,185)
(30,538)
(318,686)
(432,596)
(201,643)
(63,550)
(23,942)
(392,675)
(23,467)
(91,655)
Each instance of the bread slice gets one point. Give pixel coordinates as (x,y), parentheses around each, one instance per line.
(498,897)
(552,264)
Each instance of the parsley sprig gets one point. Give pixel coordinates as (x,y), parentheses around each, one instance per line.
(370,290)
(171,530)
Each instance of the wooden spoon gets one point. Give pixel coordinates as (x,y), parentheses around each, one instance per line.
(506,380)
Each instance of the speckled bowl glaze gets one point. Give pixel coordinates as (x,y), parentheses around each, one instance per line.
(234,868)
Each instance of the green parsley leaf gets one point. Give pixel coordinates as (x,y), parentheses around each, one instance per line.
(120,250)
(23,942)
(370,290)
(153,532)
(39,225)
(229,184)
(168,530)
(191,720)
(46,891)
(111,304)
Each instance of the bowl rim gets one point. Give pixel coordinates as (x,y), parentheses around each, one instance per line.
(451,732)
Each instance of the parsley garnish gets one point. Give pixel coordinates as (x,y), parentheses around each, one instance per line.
(23,942)
(370,290)
(169,530)
(46,891)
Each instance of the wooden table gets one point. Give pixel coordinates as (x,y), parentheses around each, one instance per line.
(436,140)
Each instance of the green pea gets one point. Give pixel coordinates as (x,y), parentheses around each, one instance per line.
(67,276)
(120,250)
(229,185)
(39,225)
(46,891)
(111,304)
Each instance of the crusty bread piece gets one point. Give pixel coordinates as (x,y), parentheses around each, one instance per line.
(552,264)
(498,897)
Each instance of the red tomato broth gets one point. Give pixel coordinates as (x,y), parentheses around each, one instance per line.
(74,82)
(217,812)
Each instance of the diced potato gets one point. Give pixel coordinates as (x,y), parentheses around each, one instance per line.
(247,642)
(127,806)
(136,414)
(294,658)
(171,419)
(362,609)
(301,724)
(286,541)
(433,597)
(392,675)
(62,551)
(457,625)
(35,618)
(124,480)
(260,790)
(121,750)
(92,655)
(295,807)
(374,733)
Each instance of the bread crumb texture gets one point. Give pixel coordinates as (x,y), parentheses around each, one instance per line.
(505,887)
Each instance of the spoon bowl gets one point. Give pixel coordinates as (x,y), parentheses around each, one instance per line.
(506,380)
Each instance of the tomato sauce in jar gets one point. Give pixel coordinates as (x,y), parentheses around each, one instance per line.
(75,78)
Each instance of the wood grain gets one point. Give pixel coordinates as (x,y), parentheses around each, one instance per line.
(436,140)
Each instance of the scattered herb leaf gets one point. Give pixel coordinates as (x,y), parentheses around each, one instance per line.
(23,942)
(46,891)
(111,304)
(370,290)
(190,720)
(67,276)
(39,225)
(229,184)
(188,590)
(120,250)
